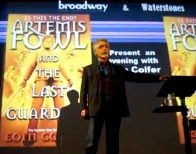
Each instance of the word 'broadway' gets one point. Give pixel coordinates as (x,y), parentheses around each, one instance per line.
(162,8)
(84,6)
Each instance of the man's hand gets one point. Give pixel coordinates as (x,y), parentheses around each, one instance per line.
(164,77)
(70,83)
(24,83)
(84,113)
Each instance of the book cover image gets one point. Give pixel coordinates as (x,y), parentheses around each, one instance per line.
(181,42)
(44,59)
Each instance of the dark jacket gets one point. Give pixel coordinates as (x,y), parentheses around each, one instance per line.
(90,94)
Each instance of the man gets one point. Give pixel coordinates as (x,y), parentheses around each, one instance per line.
(103,97)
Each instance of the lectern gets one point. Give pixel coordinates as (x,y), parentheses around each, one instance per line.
(182,87)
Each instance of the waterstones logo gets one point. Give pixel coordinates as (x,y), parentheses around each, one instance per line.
(162,8)
(85,6)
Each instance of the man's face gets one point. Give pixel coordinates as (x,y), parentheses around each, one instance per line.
(47,44)
(102,50)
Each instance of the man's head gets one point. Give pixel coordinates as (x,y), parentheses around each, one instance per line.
(47,41)
(101,49)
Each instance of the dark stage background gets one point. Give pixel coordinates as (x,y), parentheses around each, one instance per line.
(144,131)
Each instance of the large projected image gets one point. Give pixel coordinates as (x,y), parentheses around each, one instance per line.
(44,58)
(180,36)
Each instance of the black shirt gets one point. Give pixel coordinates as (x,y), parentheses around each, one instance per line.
(107,80)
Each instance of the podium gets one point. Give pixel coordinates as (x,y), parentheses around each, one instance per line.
(182,87)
